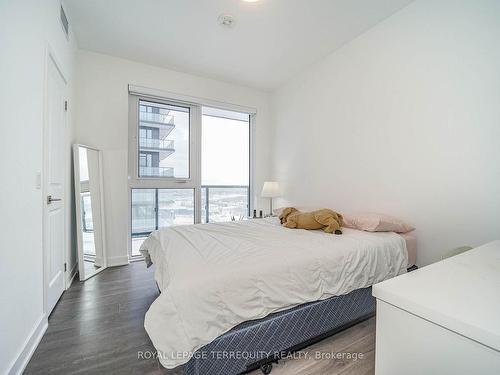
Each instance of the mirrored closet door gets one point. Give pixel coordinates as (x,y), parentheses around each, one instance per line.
(89,210)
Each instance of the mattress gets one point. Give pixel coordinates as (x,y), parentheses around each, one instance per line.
(216,276)
(411,247)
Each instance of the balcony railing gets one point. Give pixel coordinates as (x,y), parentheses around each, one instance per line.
(219,203)
(224,202)
(156,171)
(157,118)
(156,144)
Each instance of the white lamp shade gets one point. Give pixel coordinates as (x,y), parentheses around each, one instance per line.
(271,189)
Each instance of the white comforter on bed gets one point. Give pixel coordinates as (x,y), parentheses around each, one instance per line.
(215,276)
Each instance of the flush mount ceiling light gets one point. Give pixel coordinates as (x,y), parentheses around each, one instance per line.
(250,1)
(226,20)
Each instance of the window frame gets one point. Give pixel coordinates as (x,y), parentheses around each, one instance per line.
(133,135)
(136,94)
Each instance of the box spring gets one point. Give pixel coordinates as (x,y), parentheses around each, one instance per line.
(257,343)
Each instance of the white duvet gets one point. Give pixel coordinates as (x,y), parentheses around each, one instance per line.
(214,276)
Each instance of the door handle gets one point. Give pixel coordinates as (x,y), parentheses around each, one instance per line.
(50,199)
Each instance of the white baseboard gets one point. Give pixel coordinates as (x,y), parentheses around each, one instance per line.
(117,261)
(71,275)
(29,347)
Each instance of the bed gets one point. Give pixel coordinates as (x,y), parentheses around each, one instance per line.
(236,296)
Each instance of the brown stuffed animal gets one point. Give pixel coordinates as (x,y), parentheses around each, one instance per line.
(328,220)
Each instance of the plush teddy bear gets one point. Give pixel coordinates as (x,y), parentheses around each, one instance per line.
(328,220)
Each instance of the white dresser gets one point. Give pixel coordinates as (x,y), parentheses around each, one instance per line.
(443,318)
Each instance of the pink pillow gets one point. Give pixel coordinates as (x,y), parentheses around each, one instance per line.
(372,222)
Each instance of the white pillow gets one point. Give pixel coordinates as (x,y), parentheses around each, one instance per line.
(373,222)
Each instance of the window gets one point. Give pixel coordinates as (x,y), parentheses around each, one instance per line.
(163,140)
(88,223)
(86,204)
(225,161)
(188,164)
(158,208)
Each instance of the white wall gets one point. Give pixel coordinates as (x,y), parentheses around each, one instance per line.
(404,120)
(102,122)
(26,28)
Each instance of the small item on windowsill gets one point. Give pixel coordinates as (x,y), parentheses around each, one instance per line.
(255,214)
(260,214)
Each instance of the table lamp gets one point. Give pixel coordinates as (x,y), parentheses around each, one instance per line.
(271,189)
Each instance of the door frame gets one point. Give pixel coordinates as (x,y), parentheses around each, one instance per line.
(50,58)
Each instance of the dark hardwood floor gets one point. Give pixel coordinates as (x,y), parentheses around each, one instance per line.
(98,328)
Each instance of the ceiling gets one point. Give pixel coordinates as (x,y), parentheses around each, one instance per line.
(270,41)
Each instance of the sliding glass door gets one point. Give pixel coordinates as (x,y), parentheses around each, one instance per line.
(188,164)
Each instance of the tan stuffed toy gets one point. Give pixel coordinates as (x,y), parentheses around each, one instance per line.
(328,220)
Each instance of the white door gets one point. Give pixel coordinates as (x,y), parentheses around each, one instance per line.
(54,170)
